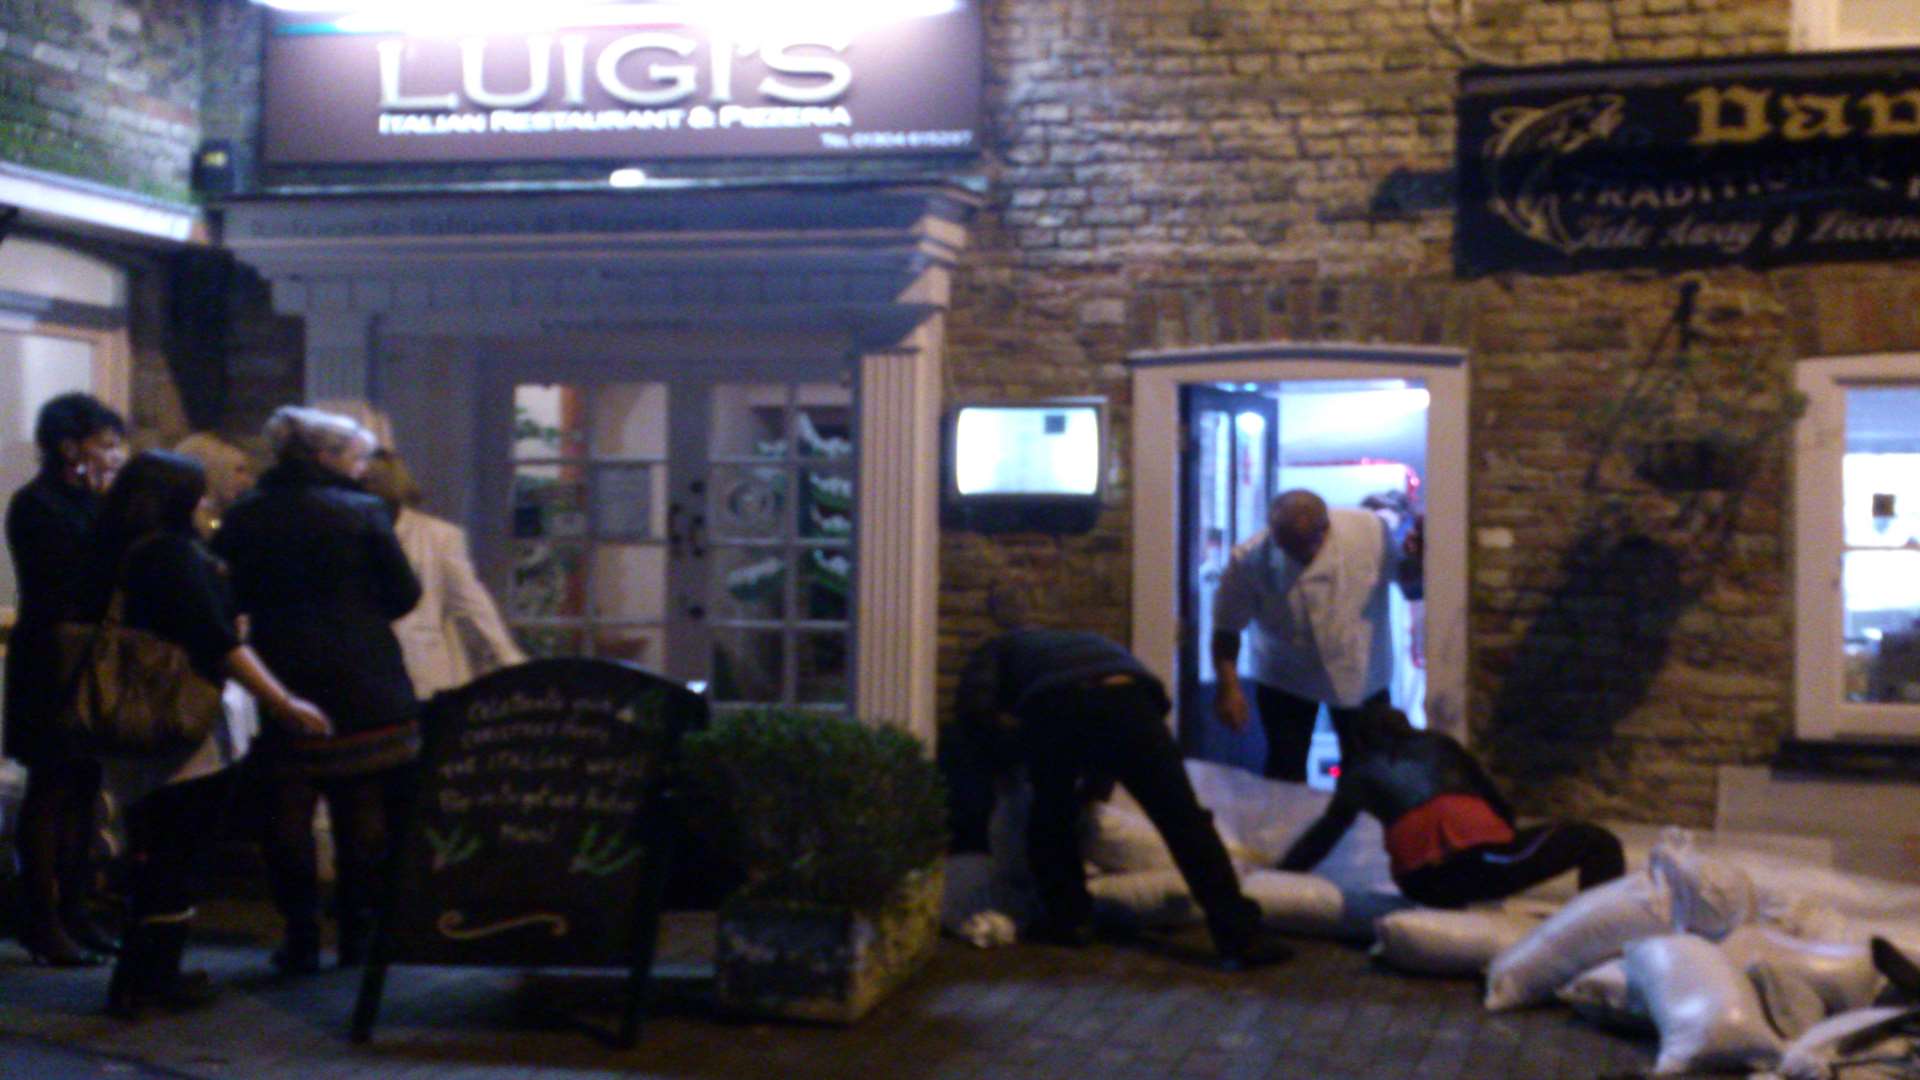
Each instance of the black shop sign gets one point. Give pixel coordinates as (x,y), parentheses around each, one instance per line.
(1759,161)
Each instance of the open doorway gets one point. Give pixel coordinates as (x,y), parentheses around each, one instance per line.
(1358,444)
(1296,389)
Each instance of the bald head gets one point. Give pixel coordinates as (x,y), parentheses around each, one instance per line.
(1298,522)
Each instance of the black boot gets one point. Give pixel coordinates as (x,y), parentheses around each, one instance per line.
(299,954)
(148,975)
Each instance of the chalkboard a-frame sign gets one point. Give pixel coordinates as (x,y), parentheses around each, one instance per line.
(537,836)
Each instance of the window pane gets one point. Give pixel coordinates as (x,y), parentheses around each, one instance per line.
(822,661)
(826,580)
(548,422)
(749,421)
(630,582)
(629,420)
(1881,470)
(1882,612)
(549,501)
(546,642)
(749,583)
(629,502)
(749,502)
(747,666)
(549,581)
(645,646)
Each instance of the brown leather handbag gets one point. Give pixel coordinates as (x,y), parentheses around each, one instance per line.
(131,693)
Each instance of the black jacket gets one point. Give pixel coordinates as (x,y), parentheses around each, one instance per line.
(176,589)
(1011,671)
(50,535)
(316,565)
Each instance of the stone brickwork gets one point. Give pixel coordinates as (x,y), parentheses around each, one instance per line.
(1174,173)
(103,90)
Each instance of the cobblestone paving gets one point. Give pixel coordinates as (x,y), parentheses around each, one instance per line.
(1110,1011)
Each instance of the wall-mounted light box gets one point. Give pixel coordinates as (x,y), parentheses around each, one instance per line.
(1026,467)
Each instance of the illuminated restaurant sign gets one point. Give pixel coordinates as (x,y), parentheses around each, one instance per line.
(627,82)
(1759,161)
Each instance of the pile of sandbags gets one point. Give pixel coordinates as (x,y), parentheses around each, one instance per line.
(1731,975)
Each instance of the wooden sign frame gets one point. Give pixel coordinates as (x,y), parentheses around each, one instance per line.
(522,718)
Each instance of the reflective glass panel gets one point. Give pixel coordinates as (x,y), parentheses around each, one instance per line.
(646,646)
(630,581)
(547,642)
(549,502)
(822,661)
(826,583)
(549,580)
(748,583)
(629,502)
(548,421)
(748,665)
(748,502)
(629,420)
(749,421)
(1882,613)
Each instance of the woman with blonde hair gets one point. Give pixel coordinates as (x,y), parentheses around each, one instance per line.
(455,632)
(229,475)
(317,568)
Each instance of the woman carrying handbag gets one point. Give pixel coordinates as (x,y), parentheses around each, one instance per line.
(152,567)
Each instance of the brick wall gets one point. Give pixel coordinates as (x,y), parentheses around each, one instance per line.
(1173,173)
(104,90)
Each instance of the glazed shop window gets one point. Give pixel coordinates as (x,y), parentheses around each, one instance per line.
(1855,24)
(1858,526)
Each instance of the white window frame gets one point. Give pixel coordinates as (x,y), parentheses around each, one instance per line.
(1820,708)
(1816,28)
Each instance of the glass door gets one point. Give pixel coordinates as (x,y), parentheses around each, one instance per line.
(1226,484)
(701,527)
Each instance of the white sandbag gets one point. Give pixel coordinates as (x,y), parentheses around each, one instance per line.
(1708,1015)
(1143,898)
(1842,973)
(1432,941)
(1296,903)
(1592,928)
(1711,895)
(1119,839)
(1788,1002)
(1813,1055)
(1780,881)
(1601,994)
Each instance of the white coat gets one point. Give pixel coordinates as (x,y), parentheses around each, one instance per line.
(438,638)
(1320,631)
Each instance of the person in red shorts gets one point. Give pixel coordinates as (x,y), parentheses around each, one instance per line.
(1451,838)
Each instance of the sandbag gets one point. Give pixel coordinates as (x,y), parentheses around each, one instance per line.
(1861,1032)
(1592,928)
(1143,898)
(1602,995)
(1789,1004)
(1296,903)
(1120,840)
(1711,895)
(1706,1010)
(1431,941)
(1842,973)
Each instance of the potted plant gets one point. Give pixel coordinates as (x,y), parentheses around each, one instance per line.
(836,829)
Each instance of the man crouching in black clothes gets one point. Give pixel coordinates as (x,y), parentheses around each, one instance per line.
(1079,711)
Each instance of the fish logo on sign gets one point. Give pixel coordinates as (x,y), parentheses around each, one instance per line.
(1523,157)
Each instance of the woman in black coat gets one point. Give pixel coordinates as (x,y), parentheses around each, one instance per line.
(50,535)
(149,552)
(317,568)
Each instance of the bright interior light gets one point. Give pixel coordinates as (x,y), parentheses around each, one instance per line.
(742,18)
(627,178)
(1027,450)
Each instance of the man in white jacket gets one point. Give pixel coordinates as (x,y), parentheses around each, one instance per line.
(1314,589)
(438,638)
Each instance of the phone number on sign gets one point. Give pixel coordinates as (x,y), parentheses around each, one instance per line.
(895,140)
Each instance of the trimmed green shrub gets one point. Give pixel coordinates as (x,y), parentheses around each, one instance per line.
(815,808)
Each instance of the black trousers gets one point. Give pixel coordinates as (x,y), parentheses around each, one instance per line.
(363,811)
(1491,871)
(170,833)
(1077,736)
(1288,720)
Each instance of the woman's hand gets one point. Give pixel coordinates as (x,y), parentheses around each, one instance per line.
(303,717)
